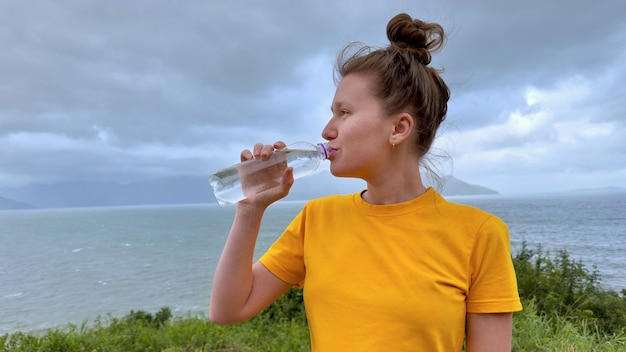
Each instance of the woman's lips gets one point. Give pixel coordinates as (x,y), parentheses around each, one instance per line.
(331,152)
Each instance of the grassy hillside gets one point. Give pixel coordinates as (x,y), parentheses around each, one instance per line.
(565,309)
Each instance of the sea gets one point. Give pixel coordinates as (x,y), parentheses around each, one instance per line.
(80,265)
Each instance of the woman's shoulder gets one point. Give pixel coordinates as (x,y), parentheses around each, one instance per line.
(468,212)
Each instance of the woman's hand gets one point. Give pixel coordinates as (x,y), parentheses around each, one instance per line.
(240,288)
(281,189)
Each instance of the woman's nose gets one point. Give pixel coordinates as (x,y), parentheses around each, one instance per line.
(329,132)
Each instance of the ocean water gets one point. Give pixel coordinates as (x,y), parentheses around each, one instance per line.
(60,266)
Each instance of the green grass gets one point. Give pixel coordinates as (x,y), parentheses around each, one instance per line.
(188,333)
(533,331)
(565,309)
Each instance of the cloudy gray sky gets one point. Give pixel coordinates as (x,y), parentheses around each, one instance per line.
(125,91)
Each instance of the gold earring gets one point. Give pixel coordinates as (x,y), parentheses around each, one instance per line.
(393,146)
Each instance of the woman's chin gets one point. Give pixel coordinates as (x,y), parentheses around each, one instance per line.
(341,173)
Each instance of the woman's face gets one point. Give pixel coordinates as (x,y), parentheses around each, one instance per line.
(358,132)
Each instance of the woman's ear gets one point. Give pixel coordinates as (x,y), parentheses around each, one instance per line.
(403,127)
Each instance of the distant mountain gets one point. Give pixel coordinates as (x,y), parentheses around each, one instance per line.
(9,204)
(173,190)
(186,190)
(455,187)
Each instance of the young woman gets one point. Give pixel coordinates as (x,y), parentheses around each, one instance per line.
(395,267)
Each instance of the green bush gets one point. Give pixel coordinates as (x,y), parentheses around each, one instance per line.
(144,318)
(563,287)
(289,306)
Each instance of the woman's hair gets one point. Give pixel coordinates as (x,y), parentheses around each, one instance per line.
(401,77)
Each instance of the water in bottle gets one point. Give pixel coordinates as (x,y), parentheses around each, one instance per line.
(250,177)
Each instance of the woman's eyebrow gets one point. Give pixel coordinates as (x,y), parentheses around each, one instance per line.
(337,104)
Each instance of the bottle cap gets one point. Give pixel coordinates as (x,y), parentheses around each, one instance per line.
(323,149)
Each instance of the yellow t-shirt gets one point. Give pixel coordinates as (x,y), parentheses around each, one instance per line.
(397,277)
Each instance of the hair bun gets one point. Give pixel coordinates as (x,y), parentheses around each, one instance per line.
(414,36)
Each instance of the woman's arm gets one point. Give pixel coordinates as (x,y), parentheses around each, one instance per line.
(489,332)
(240,289)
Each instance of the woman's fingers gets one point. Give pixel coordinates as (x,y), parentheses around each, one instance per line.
(261,150)
(279,145)
(246,155)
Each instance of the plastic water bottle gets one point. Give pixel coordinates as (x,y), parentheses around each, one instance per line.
(253,176)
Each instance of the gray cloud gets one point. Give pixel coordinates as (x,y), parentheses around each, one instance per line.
(129,91)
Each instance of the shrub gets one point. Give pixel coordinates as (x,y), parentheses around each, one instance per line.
(156,320)
(563,287)
(289,306)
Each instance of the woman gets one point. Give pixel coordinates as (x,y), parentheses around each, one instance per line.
(395,267)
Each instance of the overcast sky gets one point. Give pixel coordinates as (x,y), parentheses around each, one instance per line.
(131,90)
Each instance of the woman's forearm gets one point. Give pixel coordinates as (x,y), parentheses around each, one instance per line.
(233,280)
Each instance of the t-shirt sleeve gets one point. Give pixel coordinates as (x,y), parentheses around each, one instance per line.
(493,286)
(285,257)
